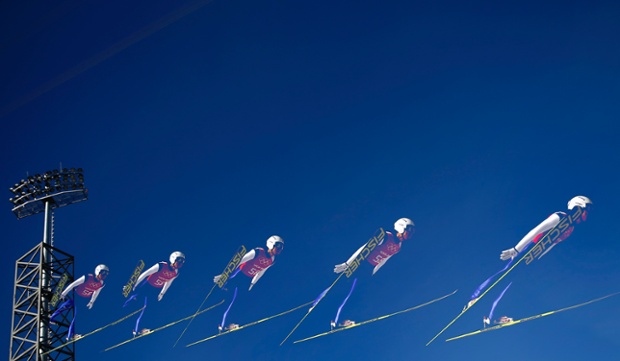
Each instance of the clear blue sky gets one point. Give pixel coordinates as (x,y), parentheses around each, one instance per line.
(205,125)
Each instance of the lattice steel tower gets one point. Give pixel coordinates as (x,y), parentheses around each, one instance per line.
(42,273)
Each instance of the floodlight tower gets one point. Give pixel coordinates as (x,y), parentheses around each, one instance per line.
(42,273)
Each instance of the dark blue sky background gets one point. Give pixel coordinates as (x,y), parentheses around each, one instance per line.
(205,125)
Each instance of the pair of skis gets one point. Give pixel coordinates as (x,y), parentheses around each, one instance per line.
(515,322)
(247,325)
(150,332)
(539,250)
(92,332)
(375,319)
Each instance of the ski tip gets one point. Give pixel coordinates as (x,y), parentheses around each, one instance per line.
(434,338)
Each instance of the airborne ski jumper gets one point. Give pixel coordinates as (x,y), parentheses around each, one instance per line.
(254,264)
(162,274)
(89,285)
(553,230)
(378,256)
(377,250)
(385,250)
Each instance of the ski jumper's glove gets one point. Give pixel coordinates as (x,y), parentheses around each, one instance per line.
(508,254)
(339,268)
(216,279)
(380,264)
(90,305)
(256,277)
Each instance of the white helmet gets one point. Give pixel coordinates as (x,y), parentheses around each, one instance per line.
(402,224)
(175,255)
(273,240)
(100,268)
(579,201)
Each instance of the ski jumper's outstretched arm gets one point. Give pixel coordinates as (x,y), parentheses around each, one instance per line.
(339,268)
(145,274)
(151,271)
(93,298)
(380,264)
(248,256)
(257,277)
(544,226)
(71,286)
(167,285)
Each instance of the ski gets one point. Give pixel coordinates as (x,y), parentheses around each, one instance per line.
(370,245)
(230,268)
(59,287)
(515,322)
(247,325)
(535,252)
(375,319)
(150,332)
(93,332)
(132,280)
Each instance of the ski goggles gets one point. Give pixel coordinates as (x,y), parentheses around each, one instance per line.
(279,246)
